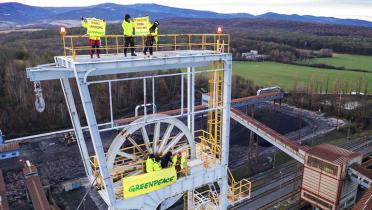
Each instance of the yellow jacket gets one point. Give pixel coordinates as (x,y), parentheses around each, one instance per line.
(156,166)
(182,163)
(149,165)
(128,28)
(85,25)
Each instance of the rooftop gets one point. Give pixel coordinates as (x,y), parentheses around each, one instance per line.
(8,147)
(365,202)
(332,153)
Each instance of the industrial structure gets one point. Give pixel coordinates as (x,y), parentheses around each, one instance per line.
(206,150)
(206,182)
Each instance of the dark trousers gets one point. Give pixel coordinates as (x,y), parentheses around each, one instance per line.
(128,41)
(95,47)
(149,44)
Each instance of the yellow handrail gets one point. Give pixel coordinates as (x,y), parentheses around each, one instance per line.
(112,43)
(238,189)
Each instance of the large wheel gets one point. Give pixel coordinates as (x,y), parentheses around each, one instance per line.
(158,135)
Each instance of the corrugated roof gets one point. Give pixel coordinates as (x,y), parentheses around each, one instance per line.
(9,147)
(362,170)
(365,202)
(35,189)
(332,153)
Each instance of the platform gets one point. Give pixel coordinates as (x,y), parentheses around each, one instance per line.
(186,52)
(65,66)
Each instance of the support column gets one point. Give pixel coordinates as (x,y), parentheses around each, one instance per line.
(76,126)
(191,101)
(190,94)
(226,130)
(96,139)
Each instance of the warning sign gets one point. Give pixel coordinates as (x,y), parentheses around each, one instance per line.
(96,27)
(141,25)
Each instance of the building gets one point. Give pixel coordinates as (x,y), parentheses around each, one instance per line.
(10,150)
(254,56)
(365,202)
(35,188)
(325,181)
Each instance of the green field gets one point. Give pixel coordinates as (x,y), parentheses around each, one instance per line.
(287,76)
(345,61)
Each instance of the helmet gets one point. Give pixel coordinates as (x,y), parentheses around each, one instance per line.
(127,16)
(156,23)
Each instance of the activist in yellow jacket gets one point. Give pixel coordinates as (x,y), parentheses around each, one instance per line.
(129,31)
(150,163)
(94,40)
(178,160)
(128,27)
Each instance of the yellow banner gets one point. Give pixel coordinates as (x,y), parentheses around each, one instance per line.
(149,182)
(96,27)
(141,25)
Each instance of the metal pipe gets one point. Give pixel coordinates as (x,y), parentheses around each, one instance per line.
(144,99)
(182,90)
(153,97)
(111,110)
(145,77)
(24,138)
(139,106)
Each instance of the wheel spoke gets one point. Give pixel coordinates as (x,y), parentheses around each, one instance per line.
(173,142)
(165,138)
(135,144)
(146,139)
(126,155)
(156,137)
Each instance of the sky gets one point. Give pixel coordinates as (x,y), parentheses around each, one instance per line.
(356,9)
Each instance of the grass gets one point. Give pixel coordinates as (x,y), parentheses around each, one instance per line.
(290,76)
(344,60)
(340,137)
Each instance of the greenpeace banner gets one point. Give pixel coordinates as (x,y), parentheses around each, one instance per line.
(141,25)
(96,27)
(149,182)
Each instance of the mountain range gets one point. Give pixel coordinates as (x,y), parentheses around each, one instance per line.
(14,15)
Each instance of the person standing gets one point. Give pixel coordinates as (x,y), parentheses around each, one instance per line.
(129,31)
(152,37)
(178,161)
(94,40)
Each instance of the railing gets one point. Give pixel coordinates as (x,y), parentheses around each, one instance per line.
(114,44)
(205,200)
(210,150)
(239,190)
